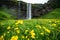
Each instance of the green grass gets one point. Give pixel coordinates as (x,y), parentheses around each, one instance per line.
(5,14)
(55,14)
(41,29)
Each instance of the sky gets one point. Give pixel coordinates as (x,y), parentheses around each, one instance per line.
(35,1)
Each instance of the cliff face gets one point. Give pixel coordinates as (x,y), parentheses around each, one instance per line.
(37,9)
(42,9)
(8,4)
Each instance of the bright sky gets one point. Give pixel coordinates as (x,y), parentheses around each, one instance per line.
(35,1)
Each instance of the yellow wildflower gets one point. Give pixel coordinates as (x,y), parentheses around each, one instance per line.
(4,34)
(47,30)
(18,31)
(2,38)
(32,31)
(23,36)
(54,25)
(28,39)
(14,38)
(50,21)
(8,32)
(32,34)
(38,26)
(8,27)
(16,28)
(42,33)
(26,31)
(26,36)
(19,22)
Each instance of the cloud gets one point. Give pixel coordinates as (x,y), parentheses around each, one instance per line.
(35,1)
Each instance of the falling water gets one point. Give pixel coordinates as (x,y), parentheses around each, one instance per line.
(28,11)
(18,15)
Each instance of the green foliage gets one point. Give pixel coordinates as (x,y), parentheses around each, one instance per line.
(41,29)
(54,3)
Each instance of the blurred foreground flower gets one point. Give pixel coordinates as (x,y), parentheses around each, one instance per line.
(14,38)
(32,34)
(1,38)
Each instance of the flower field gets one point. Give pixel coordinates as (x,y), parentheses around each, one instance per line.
(35,29)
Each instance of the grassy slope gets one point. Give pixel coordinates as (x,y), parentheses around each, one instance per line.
(5,14)
(55,14)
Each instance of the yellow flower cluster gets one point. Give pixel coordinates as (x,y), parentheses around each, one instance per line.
(47,30)
(14,38)
(32,33)
(19,22)
(8,27)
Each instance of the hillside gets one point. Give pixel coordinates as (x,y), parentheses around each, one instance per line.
(55,14)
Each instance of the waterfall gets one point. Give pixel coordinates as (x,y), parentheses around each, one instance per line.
(19,12)
(29,11)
